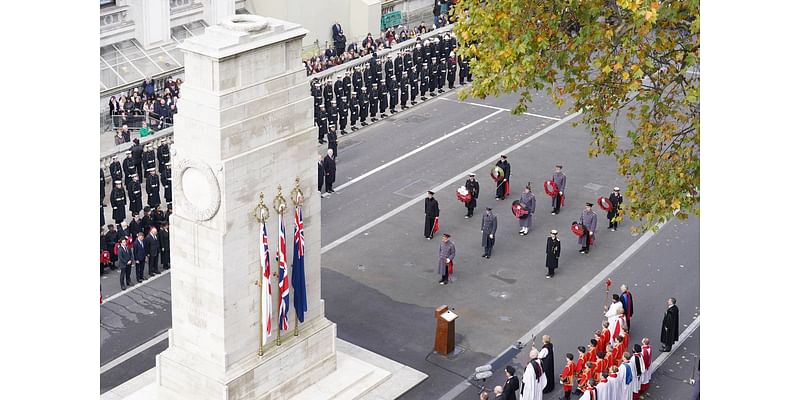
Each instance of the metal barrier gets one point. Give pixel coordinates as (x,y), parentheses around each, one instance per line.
(137,121)
(105,157)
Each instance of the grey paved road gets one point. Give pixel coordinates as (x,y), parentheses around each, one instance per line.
(389,269)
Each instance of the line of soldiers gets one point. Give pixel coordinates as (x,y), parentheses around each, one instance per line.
(381,85)
(140,165)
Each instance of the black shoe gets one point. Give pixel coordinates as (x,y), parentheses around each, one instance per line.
(413,103)
(123,288)
(355,128)
(344,132)
(138,281)
(488,257)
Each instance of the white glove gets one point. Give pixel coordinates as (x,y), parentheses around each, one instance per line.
(561,193)
(591,233)
(448,261)
(491,236)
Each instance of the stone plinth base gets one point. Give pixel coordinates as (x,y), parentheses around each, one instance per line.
(359,374)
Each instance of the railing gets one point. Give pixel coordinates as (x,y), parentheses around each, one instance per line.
(105,157)
(137,121)
(113,18)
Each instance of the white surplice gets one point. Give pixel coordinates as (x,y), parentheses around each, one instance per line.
(533,387)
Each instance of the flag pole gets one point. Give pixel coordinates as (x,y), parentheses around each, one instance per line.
(261,213)
(608,285)
(297,199)
(279,204)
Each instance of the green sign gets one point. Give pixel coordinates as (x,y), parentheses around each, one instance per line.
(391,19)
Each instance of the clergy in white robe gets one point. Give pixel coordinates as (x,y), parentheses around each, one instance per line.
(647,357)
(533,379)
(611,313)
(628,376)
(590,393)
(617,323)
(614,383)
(603,390)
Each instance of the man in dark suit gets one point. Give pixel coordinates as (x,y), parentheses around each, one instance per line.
(139,255)
(329,165)
(163,238)
(153,248)
(512,384)
(124,261)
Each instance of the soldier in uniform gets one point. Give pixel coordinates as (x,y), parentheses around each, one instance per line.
(431,212)
(388,68)
(405,90)
(338,88)
(616,201)
(488,230)
(394,94)
(561,181)
(447,252)
(166,181)
(115,169)
(473,188)
(414,84)
(398,66)
(152,186)
(433,79)
(374,101)
(316,92)
(347,83)
(408,61)
(528,200)
(358,80)
(451,70)
(333,115)
(462,70)
(553,253)
(342,116)
(384,99)
(322,124)
(149,158)
(589,222)
(500,192)
(355,110)
(118,202)
(135,195)
(163,155)
(364,106)
(442,74)
(332,142)
(327,92)
(128,167)
(424,78)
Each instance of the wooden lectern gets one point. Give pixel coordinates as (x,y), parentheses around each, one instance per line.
(445,330)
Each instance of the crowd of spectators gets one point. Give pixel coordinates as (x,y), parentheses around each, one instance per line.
(340,52)
(145,106)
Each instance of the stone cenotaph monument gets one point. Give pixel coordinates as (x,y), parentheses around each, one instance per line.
(245,127)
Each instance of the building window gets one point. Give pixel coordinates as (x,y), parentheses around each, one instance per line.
(106,3)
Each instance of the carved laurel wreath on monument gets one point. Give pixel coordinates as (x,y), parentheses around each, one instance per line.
(200,212)
(245,23)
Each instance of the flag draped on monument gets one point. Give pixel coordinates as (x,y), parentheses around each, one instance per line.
(266,287)
(283,279)
(298,266)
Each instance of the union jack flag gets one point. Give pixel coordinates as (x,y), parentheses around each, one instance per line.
(283,278)
(266,287)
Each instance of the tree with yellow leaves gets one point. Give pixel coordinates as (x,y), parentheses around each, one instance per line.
(634,59)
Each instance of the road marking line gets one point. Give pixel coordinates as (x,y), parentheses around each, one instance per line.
(500,108)
(564,307)
(449,182)
(415,151)
(118,294)
(662,358)
(142,347)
